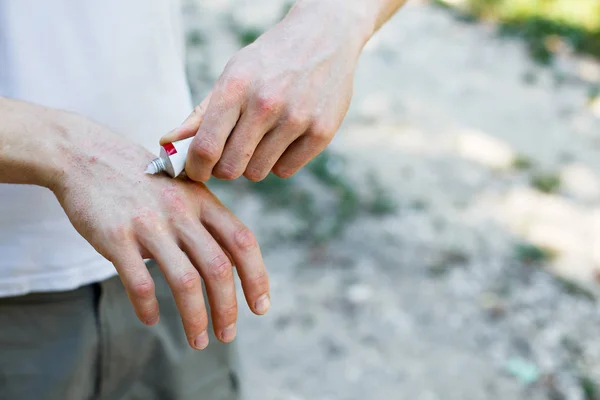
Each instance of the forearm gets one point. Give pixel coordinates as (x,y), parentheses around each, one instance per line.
(368,15)
(32,143)
(384,10)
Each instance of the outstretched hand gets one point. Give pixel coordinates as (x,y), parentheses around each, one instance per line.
(128,216)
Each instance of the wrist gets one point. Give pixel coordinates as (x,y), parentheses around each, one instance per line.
(59,150)
(356,17)
(30,144)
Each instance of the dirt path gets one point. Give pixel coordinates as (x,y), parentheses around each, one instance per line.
(439,299)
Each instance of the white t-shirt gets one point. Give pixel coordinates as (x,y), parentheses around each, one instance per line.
(119,62)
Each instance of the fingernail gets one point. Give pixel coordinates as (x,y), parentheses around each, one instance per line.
(152,321)
(201,341)
(228,333)
(262,304)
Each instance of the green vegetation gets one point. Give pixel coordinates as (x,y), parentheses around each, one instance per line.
(322,198)
(546,182)
(528,253)
(248,36)
(545,25)
(589,388)
(195,39)
(594,92)
(574,289)
(447,260)
(522,162)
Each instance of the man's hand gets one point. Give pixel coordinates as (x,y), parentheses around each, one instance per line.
(127,216)
(280,100)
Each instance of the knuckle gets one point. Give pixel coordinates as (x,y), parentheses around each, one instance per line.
(236,85)
(148,312)
(228,314)
(197,175)
(188,282)
(119,234)
(147,221)
(322,133)
(142,289)
(200,109)
(198,323)
(219,268)
(185,225)
(227,171)
(296,121)
(206,148)
(255,174)
(267,104)
(260,281)
(283,172)
(244,239)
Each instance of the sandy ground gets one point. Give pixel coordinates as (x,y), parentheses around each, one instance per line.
(430,301)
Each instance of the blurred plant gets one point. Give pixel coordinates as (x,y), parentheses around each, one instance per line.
(589,388)
(546,182)
(324,201)
(528,253)
(287,6)
(419,205)
(575,289)
(545,25)
(593,93)
(522,162)
(195,38)
(248,36)
(530,78)
(380,202)
(447,260)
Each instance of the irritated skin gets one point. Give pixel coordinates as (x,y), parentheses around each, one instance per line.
(127,215)
(280,100)
(277,105)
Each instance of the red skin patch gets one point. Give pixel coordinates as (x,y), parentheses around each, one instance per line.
(170,149)
(172,197)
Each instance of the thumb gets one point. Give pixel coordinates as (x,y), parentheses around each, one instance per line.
(190,126)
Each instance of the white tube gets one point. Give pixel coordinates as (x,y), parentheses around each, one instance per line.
(172,158)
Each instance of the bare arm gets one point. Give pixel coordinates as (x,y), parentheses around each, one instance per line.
(98,178)
(281,99)
(386,9)
(30,144)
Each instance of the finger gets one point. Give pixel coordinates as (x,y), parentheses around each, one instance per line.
(219,120)
(138,284)
(272,146)
(241,243)
(299,153)
(190,126)
(217,271)
(184,281)
(259,118)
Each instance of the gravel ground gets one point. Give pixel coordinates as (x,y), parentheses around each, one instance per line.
(439,299)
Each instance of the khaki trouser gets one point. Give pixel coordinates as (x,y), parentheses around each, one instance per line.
(88,344)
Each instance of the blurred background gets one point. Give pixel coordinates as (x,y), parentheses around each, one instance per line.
(447,245)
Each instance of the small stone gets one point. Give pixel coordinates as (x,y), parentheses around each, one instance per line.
(359,293)
(525,371)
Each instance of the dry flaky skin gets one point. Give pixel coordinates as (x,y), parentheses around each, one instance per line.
(127,215)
